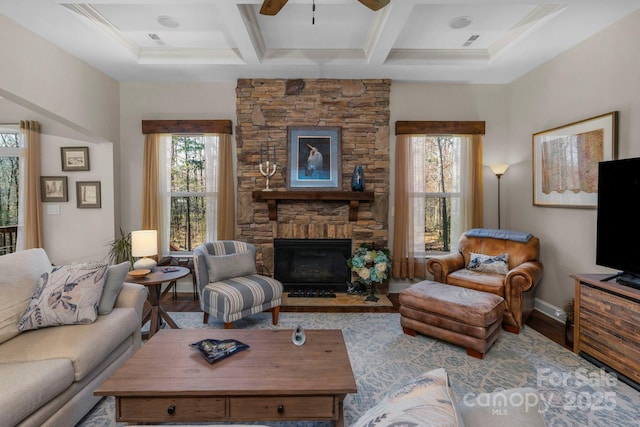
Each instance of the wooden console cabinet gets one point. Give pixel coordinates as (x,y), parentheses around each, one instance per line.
(607,322)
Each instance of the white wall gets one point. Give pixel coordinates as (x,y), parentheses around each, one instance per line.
(77,235)
(76,105)
(47,80)
(161,101)
(598,76)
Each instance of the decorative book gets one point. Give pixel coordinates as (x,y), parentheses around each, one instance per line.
(216,350)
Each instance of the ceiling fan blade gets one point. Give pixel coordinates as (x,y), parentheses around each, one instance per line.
(272,7)
(374,4)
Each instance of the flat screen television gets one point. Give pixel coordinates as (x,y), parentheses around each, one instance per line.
(618,223)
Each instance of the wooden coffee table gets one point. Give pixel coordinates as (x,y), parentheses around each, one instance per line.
(273,380)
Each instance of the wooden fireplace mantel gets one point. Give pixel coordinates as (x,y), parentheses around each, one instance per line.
(273,197)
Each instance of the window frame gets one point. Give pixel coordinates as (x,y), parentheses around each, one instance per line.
(211,156)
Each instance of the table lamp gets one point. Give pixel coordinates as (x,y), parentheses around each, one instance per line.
(144,243)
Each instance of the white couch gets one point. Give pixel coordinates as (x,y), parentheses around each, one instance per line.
(48,375)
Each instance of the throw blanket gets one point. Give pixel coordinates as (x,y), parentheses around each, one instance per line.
(516,236)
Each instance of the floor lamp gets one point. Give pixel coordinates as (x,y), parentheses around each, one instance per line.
(499,170)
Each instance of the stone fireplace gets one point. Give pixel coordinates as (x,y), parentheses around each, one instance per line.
(305,264)
(265,109)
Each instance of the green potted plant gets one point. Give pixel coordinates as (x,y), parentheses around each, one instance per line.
(568,324)
(120,249)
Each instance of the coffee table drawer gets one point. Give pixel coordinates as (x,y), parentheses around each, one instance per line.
(290,407)
(167,409)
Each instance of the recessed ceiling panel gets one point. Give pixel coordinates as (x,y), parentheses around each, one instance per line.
(428,26)
(198,24)
(337,26)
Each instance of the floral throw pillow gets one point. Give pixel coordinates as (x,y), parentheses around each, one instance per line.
(66,295)
(422,402)
(489,264)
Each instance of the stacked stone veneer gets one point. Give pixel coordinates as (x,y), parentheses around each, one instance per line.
(265,108)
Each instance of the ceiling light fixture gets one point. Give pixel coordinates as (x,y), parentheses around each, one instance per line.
(460,22)
(167,21)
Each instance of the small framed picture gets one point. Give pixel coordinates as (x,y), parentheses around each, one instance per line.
(88,194)
(314,158)
(53,189)
(75,158)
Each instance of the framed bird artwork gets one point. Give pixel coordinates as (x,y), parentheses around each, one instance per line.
(314,158)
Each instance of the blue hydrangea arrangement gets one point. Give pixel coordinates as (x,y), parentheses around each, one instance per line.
(371,265)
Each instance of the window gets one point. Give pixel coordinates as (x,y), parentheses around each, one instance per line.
(11,154)
(190,199)
(443,192)
(438,191)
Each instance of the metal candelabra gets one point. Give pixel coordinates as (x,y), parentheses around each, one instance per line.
(266,170)
(268,173)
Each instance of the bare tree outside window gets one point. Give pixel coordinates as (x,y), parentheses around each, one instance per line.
(9,190)
(189,198)
(442,190)
(9,180)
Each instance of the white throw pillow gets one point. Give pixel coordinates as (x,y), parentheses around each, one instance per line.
(424,401)
(222,267)
(65,295)
(489,264)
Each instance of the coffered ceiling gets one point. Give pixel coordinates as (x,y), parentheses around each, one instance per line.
(410,40)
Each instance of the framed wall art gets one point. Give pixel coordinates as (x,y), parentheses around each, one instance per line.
(75,158)
(565,161)
(314,158)
(53,189)
(88,194)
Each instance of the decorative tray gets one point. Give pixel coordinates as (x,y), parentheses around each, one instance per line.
(216,350)
(139,273)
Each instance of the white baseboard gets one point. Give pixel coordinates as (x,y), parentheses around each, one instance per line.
(550,310)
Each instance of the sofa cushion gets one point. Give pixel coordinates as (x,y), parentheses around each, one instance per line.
(26,386)
(113,284)
(222,267)
(85,345)
(66,295)
(504,408)
(423,401)
(233,299)
(20,273)
(489,263)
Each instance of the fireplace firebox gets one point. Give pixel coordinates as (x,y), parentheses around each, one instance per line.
(312,264)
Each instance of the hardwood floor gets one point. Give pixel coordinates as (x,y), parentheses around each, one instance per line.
(538,321)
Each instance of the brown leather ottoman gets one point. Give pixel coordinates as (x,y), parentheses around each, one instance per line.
(461,316)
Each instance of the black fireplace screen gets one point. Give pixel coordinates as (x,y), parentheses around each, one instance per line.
(316,263)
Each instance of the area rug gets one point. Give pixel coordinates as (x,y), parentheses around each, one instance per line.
(573,391)
(341,300)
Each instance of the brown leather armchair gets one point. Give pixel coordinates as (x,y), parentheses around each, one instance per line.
(517,286)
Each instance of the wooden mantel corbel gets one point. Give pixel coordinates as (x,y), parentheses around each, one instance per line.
(273,197)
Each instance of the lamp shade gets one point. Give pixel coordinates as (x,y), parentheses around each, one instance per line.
(499,169)
(144,243)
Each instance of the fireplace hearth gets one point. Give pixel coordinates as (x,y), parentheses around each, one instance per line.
(312,267)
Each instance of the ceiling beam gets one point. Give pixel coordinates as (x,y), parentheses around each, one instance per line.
(386,29)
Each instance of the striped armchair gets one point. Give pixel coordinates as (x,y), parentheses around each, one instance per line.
(228,285)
